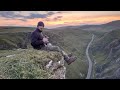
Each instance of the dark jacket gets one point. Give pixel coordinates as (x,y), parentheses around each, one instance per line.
(37,39)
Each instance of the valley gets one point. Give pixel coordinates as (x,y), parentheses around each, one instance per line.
(97,47)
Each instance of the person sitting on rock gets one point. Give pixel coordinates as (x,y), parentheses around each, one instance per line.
(40,41)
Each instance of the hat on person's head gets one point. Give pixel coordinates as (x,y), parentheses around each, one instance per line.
(40,24)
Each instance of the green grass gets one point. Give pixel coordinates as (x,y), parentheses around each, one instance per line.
(26,64)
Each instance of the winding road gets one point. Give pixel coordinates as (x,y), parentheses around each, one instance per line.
(89,60)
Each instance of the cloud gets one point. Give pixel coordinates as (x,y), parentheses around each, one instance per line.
(38,15)
(59,12)
(8,19)
(32,16)
(10,15)
(57,18)
(50,13)
(17,14)
(47,19)
(54,19)
(22,20)
(7,14)
(53,12)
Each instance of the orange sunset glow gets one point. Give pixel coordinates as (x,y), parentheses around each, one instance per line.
(53,19)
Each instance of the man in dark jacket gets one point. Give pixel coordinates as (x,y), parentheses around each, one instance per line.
(40,41)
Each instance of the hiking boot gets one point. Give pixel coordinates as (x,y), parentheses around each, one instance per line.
(70,55)
(66,57)
(69,60)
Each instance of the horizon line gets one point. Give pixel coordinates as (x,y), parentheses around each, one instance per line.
(52,27)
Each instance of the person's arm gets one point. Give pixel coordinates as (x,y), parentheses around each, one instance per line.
(46,36)
(45,40)
(35,39)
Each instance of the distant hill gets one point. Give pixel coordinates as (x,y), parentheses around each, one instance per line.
(115,23)
(103,27)
(98,28)
(14,29)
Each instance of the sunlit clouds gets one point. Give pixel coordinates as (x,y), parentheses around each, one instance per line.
(54,19)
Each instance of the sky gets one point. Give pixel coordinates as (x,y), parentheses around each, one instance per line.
(53,19)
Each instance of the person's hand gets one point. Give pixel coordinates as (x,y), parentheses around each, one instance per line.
(45,40)
(46,36)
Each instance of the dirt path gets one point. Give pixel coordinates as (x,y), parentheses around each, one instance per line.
(89,60)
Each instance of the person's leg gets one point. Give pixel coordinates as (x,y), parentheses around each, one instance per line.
(50,47)
(68,58)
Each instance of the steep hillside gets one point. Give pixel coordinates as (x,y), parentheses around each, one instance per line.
(14,40)
(106,54)
(73,41)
